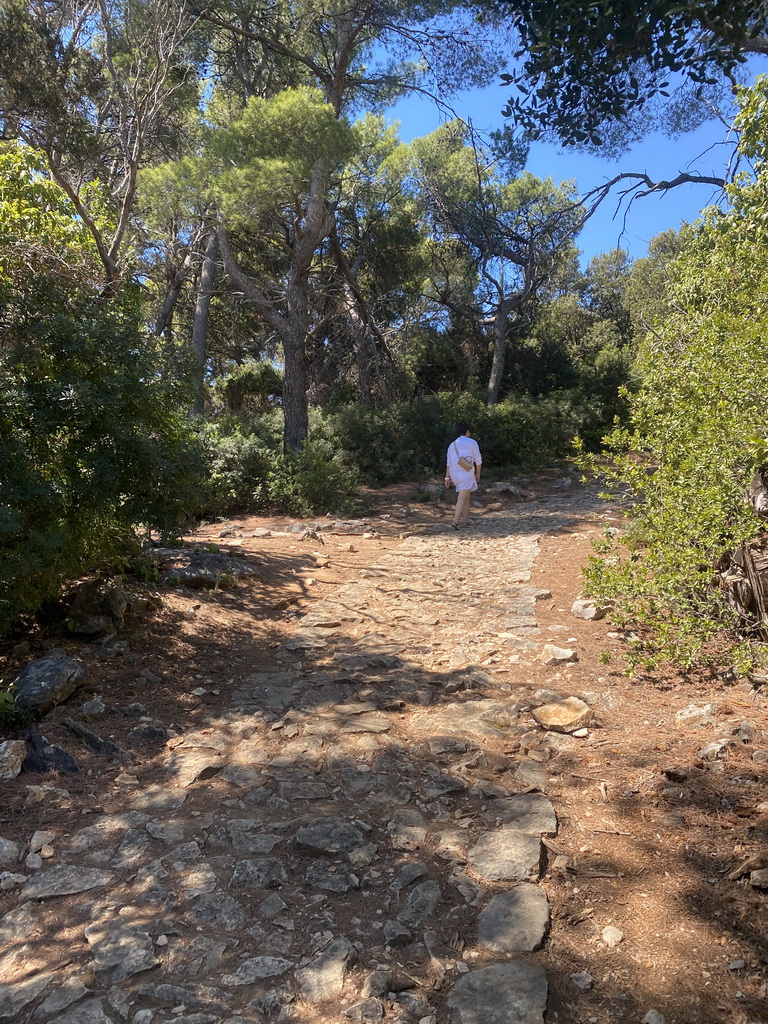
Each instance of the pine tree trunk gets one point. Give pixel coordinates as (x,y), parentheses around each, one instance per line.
(202,315)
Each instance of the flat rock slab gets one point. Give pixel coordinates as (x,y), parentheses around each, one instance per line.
(120,949)
(328,835)
(16,995)
(63,880)
(507,855)
(89,1012)
(189,765)
(257,969)
(531,813)
(565,715)
(480,719)
(509,993)
(516,921)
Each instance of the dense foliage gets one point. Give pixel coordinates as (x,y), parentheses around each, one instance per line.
(90,445)
(699,424)
(585,65)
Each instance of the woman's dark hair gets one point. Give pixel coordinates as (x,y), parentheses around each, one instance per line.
(462,428)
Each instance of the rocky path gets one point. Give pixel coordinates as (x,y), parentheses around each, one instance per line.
(360,836)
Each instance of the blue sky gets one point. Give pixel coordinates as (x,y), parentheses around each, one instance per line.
(658,156)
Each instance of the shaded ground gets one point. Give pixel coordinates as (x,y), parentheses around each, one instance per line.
(649,829)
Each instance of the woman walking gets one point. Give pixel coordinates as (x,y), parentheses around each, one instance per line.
(463,470)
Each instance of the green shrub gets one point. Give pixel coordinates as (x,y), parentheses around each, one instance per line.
(698,433)
(92,442)
(249,472)
(409,439)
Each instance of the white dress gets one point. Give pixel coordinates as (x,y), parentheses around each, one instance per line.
(463,479)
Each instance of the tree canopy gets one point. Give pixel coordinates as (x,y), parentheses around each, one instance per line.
(583,66)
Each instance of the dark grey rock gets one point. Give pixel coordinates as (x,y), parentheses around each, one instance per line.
(132,849)
(321,875)
(16,925)
(510,993)
(43,757)
(270,1003)
(218,910)
(442,785)
(10,852)
(120,950)
(379,983)
(48,681)
(324,979)
(72,991)
(407,875)
(532,813)
(420,905)
(248,844)
(16,996)
(215,999)
(89,1012)
(328,836)
(368,1010)
(408,829)
(105,748)
(396,934)
(516,921)
(98,600)
(252,875)
(257,969)
(507,855)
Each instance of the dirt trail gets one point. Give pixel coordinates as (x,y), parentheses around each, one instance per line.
(343,807)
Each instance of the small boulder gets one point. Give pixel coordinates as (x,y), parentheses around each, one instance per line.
(552,655)
(589,610)
(567,715)
(695,715)
(47,681)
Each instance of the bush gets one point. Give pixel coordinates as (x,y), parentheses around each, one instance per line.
(410,439)
(249,472)
(697,436)
(92,442)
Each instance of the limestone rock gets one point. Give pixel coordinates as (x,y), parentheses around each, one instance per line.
(552,655)
(532,813)
(507,855)
(328,836)
(694,715)
(10,852)
(420,905)
(12,754)
(120,950)
(257,969)
(48,681)
(63,880)
(510,993)
(565,715)
(324,979)
(589,610)
(516,921)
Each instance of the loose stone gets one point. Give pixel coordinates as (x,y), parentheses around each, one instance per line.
(565,715)
(511,993)
(507,855)
(516,921)
(12,754)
